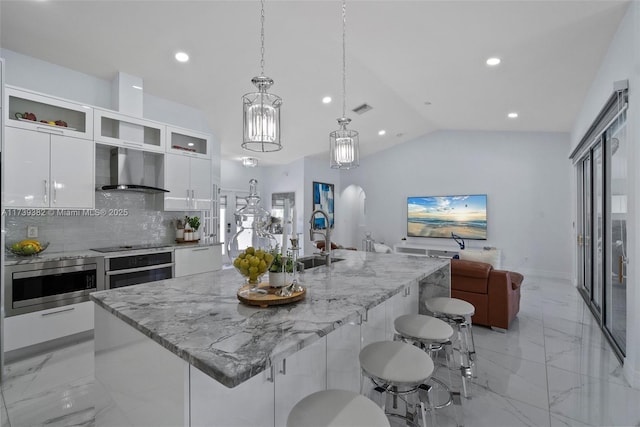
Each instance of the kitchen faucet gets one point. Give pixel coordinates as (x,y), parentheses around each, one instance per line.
(326,252)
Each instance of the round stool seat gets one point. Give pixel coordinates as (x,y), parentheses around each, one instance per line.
(450,306)
(336,408)
(421,327)
(396,363)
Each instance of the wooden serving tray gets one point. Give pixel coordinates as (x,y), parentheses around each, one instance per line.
(178,240)
(270,298)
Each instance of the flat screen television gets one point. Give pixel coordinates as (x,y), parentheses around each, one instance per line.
(439,216)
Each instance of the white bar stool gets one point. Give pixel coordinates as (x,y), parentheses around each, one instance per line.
(458,313)
(397,370)
(433,336)
(336,408)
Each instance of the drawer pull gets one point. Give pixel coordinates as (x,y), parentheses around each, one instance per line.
(58,312)
(201,249)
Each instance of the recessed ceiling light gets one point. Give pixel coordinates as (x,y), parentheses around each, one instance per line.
(512,115)
(137,87)
(382,132)
(326,100)
(182,57)
(493,61)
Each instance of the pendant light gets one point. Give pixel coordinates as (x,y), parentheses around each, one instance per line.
(344,143)
(261,110)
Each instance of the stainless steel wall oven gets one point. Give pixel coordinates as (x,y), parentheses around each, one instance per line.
(41,285)
(132,269)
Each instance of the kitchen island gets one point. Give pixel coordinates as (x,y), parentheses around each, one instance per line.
(185,352)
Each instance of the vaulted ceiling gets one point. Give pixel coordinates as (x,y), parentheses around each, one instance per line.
(419,64)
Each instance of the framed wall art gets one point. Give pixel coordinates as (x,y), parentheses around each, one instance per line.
(323,196)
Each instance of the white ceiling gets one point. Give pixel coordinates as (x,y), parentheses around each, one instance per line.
(400,54)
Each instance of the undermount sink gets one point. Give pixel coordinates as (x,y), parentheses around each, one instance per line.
(316,261)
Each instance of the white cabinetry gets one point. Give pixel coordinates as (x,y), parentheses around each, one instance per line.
(78,117)
(45,170)
(299,375)
(343,363)
(406,302)
(188,143)
(188,180)
(373,326)
(45,325)
(248,404)
(424,250)
(120,130)
(196,260)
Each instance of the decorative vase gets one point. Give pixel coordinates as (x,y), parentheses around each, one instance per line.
(250,248)
(179,233)
(188,235)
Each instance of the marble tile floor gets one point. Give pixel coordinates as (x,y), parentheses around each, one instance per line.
(552,368)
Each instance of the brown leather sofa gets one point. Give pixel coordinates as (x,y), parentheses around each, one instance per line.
(494,293)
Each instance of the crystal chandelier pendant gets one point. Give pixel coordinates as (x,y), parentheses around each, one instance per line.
(261,118)
(344,146)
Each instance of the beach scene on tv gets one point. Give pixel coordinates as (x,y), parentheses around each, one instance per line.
(439,216)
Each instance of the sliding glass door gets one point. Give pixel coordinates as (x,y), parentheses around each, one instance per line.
(602,230)
(615,320)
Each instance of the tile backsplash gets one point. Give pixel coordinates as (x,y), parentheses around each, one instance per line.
(120,218)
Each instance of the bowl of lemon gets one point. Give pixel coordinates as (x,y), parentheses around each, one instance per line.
(27,247)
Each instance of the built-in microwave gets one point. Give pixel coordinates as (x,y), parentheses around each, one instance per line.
(38,286)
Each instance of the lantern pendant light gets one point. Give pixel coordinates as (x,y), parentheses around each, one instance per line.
(344,143)
(261,110)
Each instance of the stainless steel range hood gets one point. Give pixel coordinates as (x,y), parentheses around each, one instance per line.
(128,173)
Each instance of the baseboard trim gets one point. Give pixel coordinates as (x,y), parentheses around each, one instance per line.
(47,346)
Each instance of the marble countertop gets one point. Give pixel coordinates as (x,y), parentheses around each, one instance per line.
(200,319)
(45,256)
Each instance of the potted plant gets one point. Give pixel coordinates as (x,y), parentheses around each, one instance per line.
(281,269)
(193,224)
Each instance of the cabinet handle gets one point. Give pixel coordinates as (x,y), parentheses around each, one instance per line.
(132,144)
(270,374)
(58,312)
(46,192)
(55,191)
(49,130)
(620,266)
(188,199)
(200,249)
(283,371)
(193,198)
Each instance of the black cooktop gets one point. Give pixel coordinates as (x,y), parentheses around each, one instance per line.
(130,247)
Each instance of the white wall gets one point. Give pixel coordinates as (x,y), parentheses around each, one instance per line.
(50,79)
(622,61)
(524,175)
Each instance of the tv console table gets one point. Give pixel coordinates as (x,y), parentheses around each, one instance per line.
(491,256)
(423,250)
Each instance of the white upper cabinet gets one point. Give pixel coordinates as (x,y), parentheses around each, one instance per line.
(113,128)
(48,171)
(52,115)
(189,183)
(188,143)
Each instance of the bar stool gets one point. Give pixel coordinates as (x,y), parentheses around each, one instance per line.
(397,370)
(336,408)
(433,336)
(458,313)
